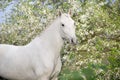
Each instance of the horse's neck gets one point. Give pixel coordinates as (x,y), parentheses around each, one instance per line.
(50,38)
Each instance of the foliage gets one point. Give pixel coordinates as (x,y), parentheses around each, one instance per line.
(4,3)
(97,55)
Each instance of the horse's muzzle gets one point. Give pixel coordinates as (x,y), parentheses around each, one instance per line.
(73,41)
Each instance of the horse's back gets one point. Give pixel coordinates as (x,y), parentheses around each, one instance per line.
(14,63)
(4,48)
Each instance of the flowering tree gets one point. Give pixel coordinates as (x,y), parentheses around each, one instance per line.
(97,55)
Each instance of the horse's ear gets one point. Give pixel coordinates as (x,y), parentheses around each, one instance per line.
(70,12)
(59,13)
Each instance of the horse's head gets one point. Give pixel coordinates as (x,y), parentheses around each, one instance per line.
(67,28)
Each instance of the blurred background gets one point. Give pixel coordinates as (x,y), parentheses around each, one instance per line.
(97,54)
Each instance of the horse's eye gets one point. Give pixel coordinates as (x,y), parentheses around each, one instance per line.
(63,25)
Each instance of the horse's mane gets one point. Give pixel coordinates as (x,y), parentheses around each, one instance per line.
(52,21)
(49,25)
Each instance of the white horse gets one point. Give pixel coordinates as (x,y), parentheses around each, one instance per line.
(40,59)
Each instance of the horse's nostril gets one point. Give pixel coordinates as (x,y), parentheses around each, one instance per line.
(72,41)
